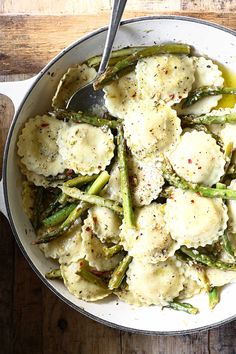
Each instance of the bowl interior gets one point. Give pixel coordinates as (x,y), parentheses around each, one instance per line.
(207,39)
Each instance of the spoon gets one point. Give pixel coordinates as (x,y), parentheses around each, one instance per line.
(86,98)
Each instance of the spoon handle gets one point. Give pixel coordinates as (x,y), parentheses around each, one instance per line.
(117,12)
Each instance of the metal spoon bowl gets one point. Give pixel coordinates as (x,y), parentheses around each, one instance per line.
(86,97)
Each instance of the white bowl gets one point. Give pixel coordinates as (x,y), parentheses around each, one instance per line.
(208,39)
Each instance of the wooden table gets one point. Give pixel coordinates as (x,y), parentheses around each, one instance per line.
(32,319)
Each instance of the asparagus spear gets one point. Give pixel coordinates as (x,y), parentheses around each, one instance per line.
(111,72)
(52,206)
(80,117)
(207,260)
(37,208)
(51,234)
(216,193)
(63,199)
(54,274)
(183,306)
(99,183)
(206,91)
(103,274)
(91,278)
(220,185)
(119,273)
(214,297)
(210,119)
(95,61)
(227,245)
(123,72)
(124,181)
(111,251)
(60,201)
(80,180)
(204,191)
(59,216)
(93,199)
(116,54)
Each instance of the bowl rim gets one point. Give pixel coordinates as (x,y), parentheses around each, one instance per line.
(4,179)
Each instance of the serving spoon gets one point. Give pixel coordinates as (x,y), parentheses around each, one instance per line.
(86,98)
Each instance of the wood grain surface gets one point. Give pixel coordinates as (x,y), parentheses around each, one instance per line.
(27,43)
(32,319)
(75,7)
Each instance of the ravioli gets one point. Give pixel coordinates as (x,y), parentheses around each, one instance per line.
(157,129)
(86,149)
(195,281)
(127,296)
(38,148)
(165,77)
(145,178)
(105,223)
(193,220)
(155,284)
(78,286)
(191,288)
(149,242)
(72,81)
(38,180)
(218,277)
(198,159)
(93,248)
(119,93)
(206,74)
(67,248)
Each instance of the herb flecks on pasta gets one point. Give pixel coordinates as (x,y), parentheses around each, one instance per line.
(136,198)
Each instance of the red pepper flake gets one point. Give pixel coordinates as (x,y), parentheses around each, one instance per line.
(95,219)
(88,228)
(69,172)
(166,71)
(81,264)
(171,196)
(192,201)
(44,125)
(99,167)
(190,161)
(172,96)
(198,193)
(180,97)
